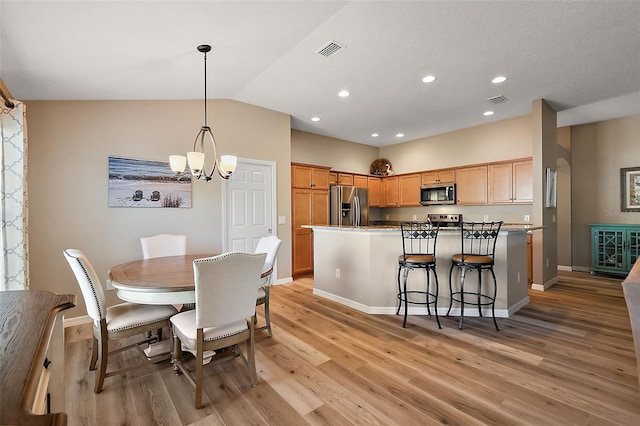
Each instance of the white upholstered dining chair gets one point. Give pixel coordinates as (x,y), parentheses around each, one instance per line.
(163,245)
(224,313)
(115,322)
(269,245)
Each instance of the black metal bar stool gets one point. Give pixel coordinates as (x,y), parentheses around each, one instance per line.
(478,247)
(418,252)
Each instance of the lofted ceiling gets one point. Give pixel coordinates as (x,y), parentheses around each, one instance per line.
(583,57)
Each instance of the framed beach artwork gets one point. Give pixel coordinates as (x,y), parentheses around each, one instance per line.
(146,183)
(630,189)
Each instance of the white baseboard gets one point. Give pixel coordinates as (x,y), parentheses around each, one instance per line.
(285,280)
(582,269)
(565,268)
(543,287)
(420,310)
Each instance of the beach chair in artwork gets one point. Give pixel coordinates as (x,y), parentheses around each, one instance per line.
(137,196)
(155,196)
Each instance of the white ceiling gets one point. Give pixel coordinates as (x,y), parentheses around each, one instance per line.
(583,57)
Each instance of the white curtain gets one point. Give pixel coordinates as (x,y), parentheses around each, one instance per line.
(14,264)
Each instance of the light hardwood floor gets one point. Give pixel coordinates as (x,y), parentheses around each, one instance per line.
(565,359)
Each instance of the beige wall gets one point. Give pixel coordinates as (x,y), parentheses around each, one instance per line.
(309,148)
(564,197)
(545,155)
(69,145)
(499,140)
(599,151)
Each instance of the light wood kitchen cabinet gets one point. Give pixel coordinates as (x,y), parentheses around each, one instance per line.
(345,179)
(360,181)
(391,192)
(333,178)
(409,188)
(438,176)
(471,183)
(373,184)
(510,182)
(523,181)
(309,207)
(311,177)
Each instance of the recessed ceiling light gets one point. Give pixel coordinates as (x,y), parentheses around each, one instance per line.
(343,93)
(487,113)
(374,135)
(315,118)
(399,135)
(499,79)
(429,79)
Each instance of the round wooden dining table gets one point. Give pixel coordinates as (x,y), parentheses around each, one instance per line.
(156,281)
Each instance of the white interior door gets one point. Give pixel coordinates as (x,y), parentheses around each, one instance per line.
(250,204)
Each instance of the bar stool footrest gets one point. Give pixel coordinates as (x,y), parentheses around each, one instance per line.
(431,300)
(459,296)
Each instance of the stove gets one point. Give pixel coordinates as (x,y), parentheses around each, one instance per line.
(445,220)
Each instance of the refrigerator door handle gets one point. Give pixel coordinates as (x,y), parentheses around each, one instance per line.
(356,219)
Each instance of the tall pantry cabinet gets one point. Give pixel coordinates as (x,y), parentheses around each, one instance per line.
(309,206)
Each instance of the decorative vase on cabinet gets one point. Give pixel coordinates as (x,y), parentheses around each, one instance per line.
(614,248)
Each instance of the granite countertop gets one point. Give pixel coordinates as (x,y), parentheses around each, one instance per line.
(509,227)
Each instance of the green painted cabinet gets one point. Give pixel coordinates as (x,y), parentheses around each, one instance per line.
(614,248)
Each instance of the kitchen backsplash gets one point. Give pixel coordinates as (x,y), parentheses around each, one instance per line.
(508,214)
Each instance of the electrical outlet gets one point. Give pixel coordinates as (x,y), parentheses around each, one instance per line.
(282,220)
(415,217)
(518,276)
(547,262)
(526,218)
(485,218)
(387,217)
(553,218)
(337,272)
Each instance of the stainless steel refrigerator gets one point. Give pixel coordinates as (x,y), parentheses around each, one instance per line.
(349,206)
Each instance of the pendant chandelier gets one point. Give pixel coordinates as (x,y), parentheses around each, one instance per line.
(195,158)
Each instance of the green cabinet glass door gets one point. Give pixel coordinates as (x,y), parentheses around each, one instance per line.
(614,248)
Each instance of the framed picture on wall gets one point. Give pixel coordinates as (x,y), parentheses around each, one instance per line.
(552,188)
(146,183)
(630,189)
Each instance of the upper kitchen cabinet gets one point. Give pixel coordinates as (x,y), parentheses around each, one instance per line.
(511,182)
(438,176)
(391,192)
(333,178)
(309,177)
(373,184)
(471,185)
(409,187)
(360,181)
(345,179)
(523,181)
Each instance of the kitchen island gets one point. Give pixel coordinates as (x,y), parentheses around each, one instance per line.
(358,267)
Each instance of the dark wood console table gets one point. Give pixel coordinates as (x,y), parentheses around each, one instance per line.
(31,356)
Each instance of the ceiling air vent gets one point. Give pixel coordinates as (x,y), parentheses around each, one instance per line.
(498,99)
(330,49)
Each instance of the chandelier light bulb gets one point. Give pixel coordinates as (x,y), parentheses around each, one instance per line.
(177,163)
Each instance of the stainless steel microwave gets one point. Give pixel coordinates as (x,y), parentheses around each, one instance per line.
(441,193)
